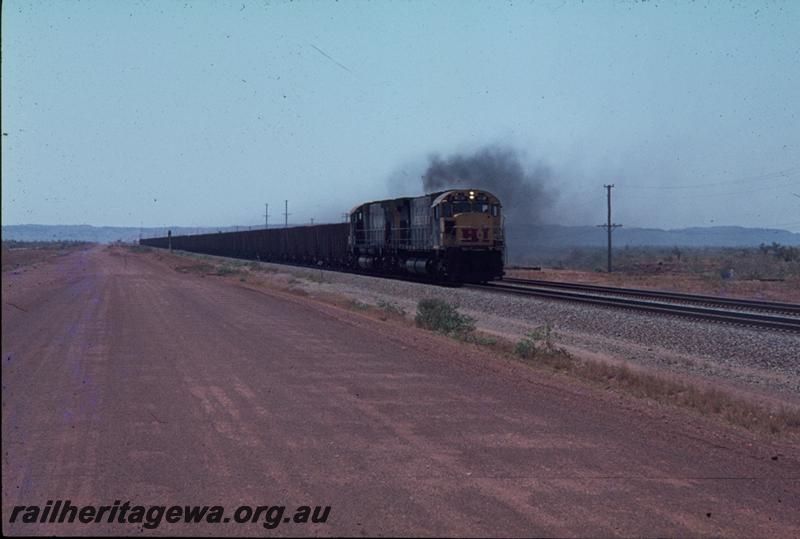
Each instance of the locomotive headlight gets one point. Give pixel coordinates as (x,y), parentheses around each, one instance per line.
(472,195)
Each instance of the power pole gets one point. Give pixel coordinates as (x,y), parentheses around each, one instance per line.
(266,215)
(609,226)
(286,214)
(312,221)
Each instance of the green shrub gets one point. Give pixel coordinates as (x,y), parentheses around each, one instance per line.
(225,270)
(483,341)
(438,315)
(525,348)
(540,341)
(391,307)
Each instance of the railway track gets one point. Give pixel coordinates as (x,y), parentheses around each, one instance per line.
(772,307)
(593,295)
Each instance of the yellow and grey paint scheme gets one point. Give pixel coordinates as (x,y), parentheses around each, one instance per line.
(468,219)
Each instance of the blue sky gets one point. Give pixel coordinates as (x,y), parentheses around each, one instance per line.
(197,113)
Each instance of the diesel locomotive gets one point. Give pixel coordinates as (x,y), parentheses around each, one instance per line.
(452,236)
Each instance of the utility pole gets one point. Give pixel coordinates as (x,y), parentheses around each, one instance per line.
(286,214)
(312,221)
(609,226)
(266,215)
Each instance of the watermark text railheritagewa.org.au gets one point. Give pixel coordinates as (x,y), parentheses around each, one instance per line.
(152,516)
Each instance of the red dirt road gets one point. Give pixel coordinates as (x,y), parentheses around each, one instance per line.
(125,380)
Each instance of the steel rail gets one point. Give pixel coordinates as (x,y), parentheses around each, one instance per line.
(771,306)
(701,313)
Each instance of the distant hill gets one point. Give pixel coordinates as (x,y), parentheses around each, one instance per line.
(99,234)
(519,238)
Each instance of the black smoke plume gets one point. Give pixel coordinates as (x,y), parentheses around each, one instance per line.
(526,192)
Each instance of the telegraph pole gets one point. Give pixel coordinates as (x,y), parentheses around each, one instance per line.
(286,214)
(609,226)
(266,215)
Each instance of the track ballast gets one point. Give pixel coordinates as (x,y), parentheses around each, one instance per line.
(737,312)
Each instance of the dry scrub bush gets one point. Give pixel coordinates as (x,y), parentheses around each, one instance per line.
(440,316)
(540,344)
(392,308)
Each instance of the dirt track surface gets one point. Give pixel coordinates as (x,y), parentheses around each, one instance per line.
(126,380)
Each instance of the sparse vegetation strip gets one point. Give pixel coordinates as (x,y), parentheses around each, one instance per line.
(539,348)
(61,244)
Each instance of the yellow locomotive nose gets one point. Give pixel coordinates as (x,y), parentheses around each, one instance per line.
(473,229)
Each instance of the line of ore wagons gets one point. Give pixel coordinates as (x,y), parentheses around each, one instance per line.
(318,244)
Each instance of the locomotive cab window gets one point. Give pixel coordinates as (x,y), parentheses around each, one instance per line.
(461,207)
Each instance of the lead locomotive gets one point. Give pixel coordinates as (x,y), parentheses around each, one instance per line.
(454,235)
